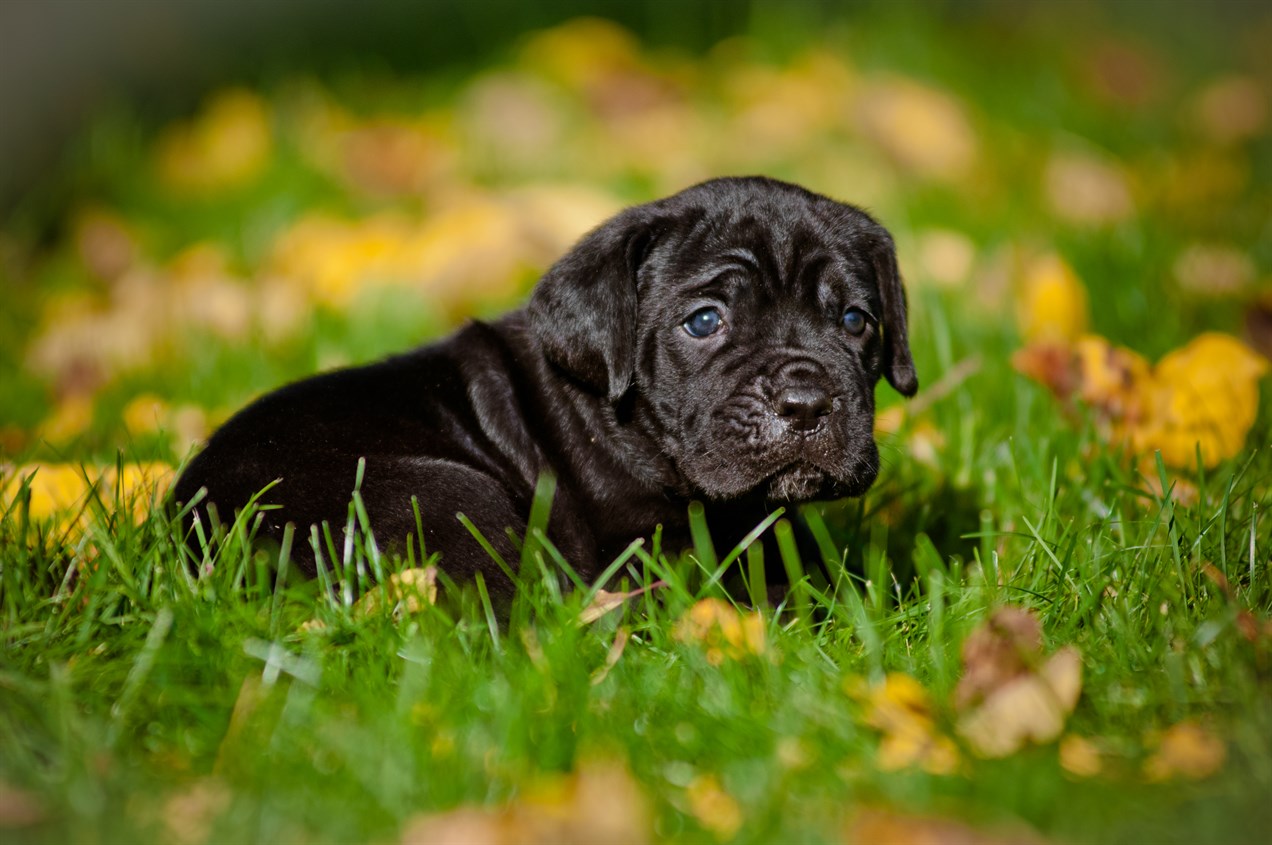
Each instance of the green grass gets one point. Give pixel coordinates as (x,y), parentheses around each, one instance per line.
(127,680)
(134,692)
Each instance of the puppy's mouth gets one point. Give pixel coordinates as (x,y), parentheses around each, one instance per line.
(804,482)
(799,482)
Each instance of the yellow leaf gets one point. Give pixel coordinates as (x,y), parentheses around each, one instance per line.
(722,631)
(902,710)
(226,145)
(1188,750)
(1204,395)
(405,592)
(55,489)
(1080,757)
(583,52)
(1109,377)
(1053,302)
(70,419)
(144,414)
(713,807)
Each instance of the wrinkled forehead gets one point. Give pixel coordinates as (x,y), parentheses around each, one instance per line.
(784,242)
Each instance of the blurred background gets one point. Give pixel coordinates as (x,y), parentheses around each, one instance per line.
(200,199)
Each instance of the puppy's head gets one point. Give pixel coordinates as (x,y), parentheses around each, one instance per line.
(745,322)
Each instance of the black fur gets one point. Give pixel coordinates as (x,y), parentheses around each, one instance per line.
(597,383)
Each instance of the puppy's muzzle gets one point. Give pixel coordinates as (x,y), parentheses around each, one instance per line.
(802,407)
(800,399)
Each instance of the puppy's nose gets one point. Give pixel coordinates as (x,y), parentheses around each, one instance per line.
(803,407)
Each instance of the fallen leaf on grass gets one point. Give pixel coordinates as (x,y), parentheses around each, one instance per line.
(1004,647)
(1188,750)
(1010,694)
(189,815)
(59,493)
(1214,270)
(598,803)
(885,827)
(1080,757)
(1052,302)
(925,130)
(713,807)
(1085,188)
(612,656)
(1204,395)
(19,807)
(1230,110)
(405,592)
(1031,708)
(901,709)
(722,631)
(226,145)
(604,601)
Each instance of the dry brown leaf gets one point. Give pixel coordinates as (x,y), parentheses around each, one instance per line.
(1086,188)
(604,601)
(1030,708)
(886,827)
(722,631)
(598,803)
(1231,110)
(1188,750)
(1007,645)
(190,814)
(19,807)
(104,241)
(1214,270)
(946,257)
(612,656)
(1009,694)
(923,129)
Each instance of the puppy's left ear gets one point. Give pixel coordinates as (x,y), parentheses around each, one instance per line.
(898,365)
(583,311)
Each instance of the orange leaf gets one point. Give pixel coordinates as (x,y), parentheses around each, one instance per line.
(1188,750)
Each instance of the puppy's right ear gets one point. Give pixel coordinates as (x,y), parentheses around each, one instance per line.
(583,311)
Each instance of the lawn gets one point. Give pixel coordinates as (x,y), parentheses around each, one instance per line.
(1049,621)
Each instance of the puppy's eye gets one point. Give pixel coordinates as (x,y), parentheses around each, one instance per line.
(855,321)
(702,323)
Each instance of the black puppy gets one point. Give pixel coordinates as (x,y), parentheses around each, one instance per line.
(722,344)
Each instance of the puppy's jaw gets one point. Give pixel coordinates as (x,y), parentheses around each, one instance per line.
(745,448)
